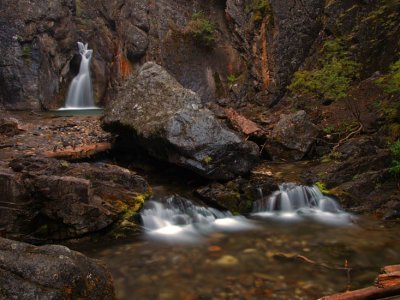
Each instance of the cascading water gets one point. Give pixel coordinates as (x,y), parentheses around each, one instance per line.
(292,201)
(177,217)
(80,93)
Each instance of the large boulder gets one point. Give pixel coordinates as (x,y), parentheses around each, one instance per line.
(292,137)
(50,272)
(170,123)
(48,199)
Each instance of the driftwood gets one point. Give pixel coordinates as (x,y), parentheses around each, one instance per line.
(78,152)
(386,285)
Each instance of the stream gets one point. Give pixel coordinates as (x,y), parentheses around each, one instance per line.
(301,248)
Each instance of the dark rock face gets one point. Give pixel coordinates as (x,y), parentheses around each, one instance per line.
(50,272)
(51,199)
(292,137)
(169,122)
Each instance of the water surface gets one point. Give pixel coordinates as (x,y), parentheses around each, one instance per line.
(275,258)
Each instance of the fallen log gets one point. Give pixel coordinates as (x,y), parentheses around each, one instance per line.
(78,152)
(388,280)
(372,292)
(386,285)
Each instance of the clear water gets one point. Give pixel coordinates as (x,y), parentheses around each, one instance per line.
(256,258)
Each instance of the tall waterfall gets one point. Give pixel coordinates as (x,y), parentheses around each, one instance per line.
(80,93)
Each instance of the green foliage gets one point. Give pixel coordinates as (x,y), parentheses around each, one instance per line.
(329,130)
(391,81)
(395,151)
(259,8)
(332,80)
(232,78)
(202,29)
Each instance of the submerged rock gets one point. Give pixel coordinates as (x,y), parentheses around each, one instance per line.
(168,121)
(51,199)
(50,272)
(292,137)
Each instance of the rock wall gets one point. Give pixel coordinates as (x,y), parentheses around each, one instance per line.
(258,44)
(38,53)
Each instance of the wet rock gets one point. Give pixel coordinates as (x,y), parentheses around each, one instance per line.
(169,122)
(360,146)
(292,137)
(50,272)
(50,199)
(227,261)
(237,195)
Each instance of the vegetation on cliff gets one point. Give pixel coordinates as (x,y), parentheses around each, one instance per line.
(332,79)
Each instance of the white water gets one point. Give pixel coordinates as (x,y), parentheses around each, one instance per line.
(80,93)
(178,219)
(296,202)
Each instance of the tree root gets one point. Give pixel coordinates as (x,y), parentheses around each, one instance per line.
(350,135)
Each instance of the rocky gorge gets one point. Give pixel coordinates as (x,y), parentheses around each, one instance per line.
(232,97)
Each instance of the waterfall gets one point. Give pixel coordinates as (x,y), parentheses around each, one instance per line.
(294,201)
(178,218)
(80,93)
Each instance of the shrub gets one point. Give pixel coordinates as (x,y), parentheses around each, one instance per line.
(391,81)
(202,29)
(331,81)
(395,151)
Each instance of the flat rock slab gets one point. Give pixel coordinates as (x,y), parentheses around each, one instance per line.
(48,199)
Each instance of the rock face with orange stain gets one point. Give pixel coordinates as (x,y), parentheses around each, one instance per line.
(51,272)
(170,123)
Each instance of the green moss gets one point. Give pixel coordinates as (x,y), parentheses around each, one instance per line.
(322,187)
(202,29)
(207,159)
(78,8)
(64,164)
(331,81)
(395,152)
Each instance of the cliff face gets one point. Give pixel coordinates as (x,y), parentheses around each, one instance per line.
(252,54)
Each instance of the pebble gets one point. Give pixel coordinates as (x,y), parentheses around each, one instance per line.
(227,260)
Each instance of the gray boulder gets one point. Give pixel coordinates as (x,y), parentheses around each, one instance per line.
(50,272)
(170,123)
(292,137)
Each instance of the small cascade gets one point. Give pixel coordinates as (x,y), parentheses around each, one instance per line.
(295,201)
(180,218)
(80,93)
